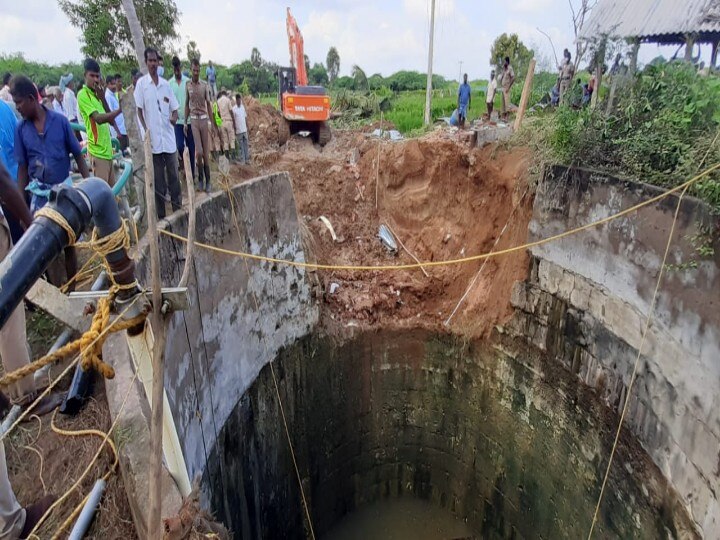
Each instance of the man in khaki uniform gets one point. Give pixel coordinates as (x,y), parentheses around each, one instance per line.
(567,71)
(199,110)
(227,129)
(506,81)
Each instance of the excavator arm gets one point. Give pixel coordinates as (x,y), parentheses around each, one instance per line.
(297,50)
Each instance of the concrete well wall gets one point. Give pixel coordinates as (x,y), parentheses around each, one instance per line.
(216,348)
(586,302)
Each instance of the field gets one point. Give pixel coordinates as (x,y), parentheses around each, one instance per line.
(407,108)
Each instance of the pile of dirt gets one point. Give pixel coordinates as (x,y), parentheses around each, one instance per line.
(442,199)
(266,126)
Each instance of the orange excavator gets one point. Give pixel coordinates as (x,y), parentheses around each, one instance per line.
(304,107)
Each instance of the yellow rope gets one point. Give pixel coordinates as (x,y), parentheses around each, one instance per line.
(682,187)
(637,362)
(53,215)
(105,440)
(90,345)
(80,274)
(70,366)
(107,244)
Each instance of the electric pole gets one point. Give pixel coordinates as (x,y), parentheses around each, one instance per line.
(461,73)
(428,91)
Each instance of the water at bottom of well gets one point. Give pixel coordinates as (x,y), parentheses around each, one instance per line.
(400,519)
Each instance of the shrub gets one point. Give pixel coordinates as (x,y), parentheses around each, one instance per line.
(662,130)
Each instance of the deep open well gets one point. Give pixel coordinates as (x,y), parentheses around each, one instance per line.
(510,433)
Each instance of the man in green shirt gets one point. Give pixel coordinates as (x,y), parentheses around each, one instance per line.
(96,116)
(178,84)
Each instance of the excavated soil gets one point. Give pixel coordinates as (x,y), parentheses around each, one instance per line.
(441,198)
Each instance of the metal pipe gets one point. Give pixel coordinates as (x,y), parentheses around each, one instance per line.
(62,340)
(88,512)
(82,381)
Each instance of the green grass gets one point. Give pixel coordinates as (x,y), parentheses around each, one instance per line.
(268,99)
(408,108)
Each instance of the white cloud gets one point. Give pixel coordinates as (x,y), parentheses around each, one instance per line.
(530,6)
(48,37)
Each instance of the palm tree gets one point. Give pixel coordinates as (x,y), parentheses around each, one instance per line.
(361,82)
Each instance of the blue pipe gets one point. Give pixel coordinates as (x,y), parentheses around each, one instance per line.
(127,165)
(124,176)
(80,127)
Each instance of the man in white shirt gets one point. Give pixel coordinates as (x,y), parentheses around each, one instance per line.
(241,129)
(58,103)
(158,111)
(490,97)
(114,104)
(70,105)
(5,90)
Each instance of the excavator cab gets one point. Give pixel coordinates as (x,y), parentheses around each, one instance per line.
(304,107)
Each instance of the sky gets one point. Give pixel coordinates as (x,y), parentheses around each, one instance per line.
(381,36)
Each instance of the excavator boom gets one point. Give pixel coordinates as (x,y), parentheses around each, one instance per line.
(297,50)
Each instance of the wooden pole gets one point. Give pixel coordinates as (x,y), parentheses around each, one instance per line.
(527,88)
(613,88)
(714,54)
(633,57)
(428,88)
(158,323)
(689,46)
(377,165)
(599,60)
(136,33)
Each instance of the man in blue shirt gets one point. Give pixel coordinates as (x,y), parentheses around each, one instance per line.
(464,99)
(8,122)
(210,74)
(44,142)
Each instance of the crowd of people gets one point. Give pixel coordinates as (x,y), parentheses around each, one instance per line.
(210,123)
(44,131)
(506,80)
(576,96)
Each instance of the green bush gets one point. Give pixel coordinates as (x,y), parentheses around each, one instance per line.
(662,130)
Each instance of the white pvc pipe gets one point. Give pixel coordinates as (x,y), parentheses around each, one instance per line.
(88,512)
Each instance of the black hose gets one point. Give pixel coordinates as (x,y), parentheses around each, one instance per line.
(44,240)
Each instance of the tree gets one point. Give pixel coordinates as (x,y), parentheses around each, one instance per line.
(578,19)
(307,63)
(136,33)
(114,29)
(255,58)
(510,45)
(333,64)
(192,51)
(318,75)
(359,77)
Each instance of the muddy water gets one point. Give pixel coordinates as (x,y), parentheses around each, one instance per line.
(400,519)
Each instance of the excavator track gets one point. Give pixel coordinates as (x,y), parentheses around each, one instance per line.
(324,134)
